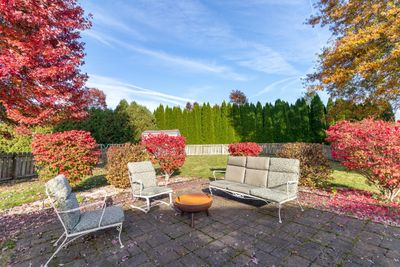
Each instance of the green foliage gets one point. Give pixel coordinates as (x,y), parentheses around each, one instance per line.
(124,124)
(118,158)
(139,118)
(315,168)
(341,109)
(231,123)
(317,120)
(13,142)
(106,126)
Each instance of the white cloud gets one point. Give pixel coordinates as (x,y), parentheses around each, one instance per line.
(95,35)
(116,90)
(194,23)
(115,24)
(264,59)
(278,85)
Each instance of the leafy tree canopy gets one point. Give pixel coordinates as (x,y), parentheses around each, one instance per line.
(362,63)
(41,55)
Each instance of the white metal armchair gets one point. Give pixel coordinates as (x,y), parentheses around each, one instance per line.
(144,185)
(75,222)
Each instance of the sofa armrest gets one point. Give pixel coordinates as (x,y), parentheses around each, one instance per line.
(217,171)
(290,183)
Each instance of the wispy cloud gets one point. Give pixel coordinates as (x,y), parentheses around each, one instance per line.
(264,59)
(97,36)
(116,90)
(277,85)
(115,24)
(192,21)
(187,63)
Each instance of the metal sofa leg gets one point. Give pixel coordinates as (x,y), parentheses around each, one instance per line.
(119,228)
(298,202)
(148,205)
(279,212)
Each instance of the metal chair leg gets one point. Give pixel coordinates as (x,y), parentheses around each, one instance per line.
(298,202)
(58,240)
(57,250)
(119,228)
(279,212)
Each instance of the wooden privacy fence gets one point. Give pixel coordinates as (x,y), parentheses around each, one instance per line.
(16,166)
(271,149)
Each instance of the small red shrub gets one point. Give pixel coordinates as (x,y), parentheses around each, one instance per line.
(167,151)
(244,149)
(371,148)
(73,153)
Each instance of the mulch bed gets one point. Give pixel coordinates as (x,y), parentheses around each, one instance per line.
(351,202)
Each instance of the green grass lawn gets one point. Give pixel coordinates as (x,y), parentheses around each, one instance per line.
(343,178)
(15,194)
(200,166)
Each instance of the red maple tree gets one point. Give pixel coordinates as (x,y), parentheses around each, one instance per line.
(96,99)
(167,151)
(371,148)
(40,77)
(73,153)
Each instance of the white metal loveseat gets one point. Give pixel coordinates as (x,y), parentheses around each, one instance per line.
(262,178)
(143,181)
(75,222)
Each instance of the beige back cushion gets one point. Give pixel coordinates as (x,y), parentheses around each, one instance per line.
(235,169)
(257,171)
(282,170)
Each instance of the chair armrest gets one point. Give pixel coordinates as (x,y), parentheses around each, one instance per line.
(139,182)
(217,171)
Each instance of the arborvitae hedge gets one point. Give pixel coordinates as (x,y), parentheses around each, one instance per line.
(229,123)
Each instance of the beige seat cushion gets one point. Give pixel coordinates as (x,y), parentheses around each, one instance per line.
(241,188)
(271,194)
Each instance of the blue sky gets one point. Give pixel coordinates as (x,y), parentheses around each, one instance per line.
(172,52)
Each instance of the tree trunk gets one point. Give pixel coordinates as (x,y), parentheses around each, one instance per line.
(167,175)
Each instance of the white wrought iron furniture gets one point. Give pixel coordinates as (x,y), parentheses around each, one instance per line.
(75,222)
(262,178)
(144,185)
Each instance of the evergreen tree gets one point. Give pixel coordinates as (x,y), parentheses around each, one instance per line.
(170,122)
(303,130)
(259,128)
(207,125)
(224,136)
(317,120)
(159,114)
(196,123)
(235,119)
(218,134)
(280,122)
(268,126)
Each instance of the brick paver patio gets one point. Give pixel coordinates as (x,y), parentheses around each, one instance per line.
(235,234)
